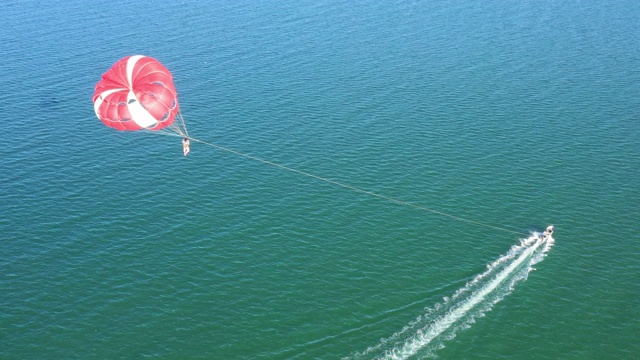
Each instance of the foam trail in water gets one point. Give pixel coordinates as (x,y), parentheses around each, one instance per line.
(478,296)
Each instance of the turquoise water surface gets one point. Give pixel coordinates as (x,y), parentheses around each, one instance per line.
(439,136)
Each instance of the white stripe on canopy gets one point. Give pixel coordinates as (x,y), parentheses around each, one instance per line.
(138,113)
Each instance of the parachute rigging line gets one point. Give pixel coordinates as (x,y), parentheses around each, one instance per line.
(353,188)
(177,128)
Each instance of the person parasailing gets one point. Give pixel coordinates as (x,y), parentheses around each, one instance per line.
(137,93)
(185,146)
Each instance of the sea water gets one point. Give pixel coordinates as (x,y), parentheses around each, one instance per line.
(515,115)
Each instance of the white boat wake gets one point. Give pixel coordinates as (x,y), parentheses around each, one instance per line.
(427,334)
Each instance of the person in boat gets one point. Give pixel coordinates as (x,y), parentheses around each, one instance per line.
(185,146)
(548,231)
